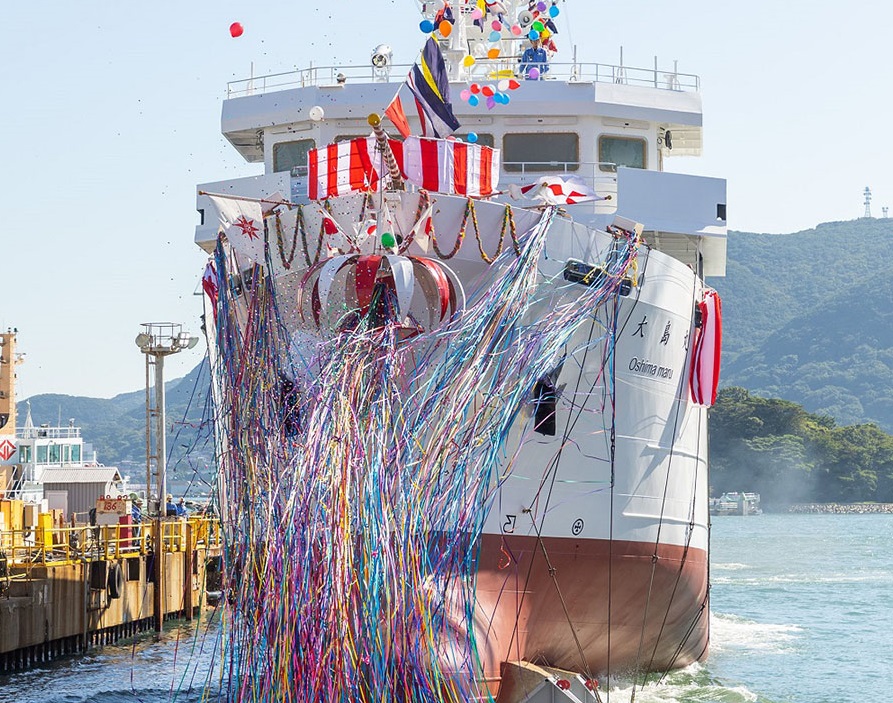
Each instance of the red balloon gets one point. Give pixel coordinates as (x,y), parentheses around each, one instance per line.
(236,29)
(475,88)
(488,91)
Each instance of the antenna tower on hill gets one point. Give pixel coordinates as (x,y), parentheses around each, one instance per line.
(867,202)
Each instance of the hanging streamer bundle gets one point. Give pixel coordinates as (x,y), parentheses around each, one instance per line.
(358,466)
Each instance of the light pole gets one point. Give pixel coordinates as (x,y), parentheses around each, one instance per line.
(156,341)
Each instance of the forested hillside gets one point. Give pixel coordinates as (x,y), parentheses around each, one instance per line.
(775,448)
(807,318)
(117,426)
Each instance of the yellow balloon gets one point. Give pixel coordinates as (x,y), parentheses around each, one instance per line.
(468,60)
(545,34)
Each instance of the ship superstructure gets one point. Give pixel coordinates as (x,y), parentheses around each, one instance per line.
(592,554)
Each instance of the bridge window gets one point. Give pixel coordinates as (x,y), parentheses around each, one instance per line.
(535,151)
(55,454)
(25,454)
(291,155)
(620,151)
(76,453)
(41,454)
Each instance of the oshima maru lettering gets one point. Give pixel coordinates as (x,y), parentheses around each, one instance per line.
(646,368)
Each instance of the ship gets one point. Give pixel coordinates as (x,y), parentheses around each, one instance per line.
(734,503)
(461,370)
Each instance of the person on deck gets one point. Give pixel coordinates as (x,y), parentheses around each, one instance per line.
(136,516)
(181,507)
(534,57)
(170,508)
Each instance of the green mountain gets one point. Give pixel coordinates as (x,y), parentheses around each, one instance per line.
(116,427)
(805,318)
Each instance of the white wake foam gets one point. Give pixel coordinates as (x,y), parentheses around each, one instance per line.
(690,684)
(734,633)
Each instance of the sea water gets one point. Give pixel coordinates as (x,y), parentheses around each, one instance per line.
(802,612)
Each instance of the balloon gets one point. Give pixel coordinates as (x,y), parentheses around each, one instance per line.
(316,113)
(493,53)
(388,241)
(553,11)
(506,99)
(534,35)
(427,26)
(538,26)
(496,25)
(488,91)
(477,13)
(472,137)
(516,30)
(473,101)
(541,6)
(465,94)
(533,74)
(468,60)
(494,36)
(545,34)
(445,28)
(475,88)
(491,103)
(513,84)
(236,29)
(503,85)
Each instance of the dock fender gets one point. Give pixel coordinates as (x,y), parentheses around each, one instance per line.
(116,580)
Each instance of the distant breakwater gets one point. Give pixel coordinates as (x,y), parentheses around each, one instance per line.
(841,508)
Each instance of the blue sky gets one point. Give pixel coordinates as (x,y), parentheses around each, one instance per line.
(111,117)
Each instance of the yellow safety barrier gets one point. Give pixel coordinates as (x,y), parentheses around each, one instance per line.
(48,545)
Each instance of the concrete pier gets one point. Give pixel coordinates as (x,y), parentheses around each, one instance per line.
(60,601)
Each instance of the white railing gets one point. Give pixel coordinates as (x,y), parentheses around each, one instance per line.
(48,432)
(601,177)
(483,69)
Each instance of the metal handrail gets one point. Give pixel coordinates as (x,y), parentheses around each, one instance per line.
(68,545)
(483,69)
(66,432)
(601,175)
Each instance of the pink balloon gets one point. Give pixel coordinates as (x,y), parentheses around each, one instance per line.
(236,29)
(516,30)
(465,94)
(496,25)
(476,13)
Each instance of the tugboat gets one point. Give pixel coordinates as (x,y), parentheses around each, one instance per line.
(462,369)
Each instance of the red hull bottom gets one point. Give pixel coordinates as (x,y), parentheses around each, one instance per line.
(590,606)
